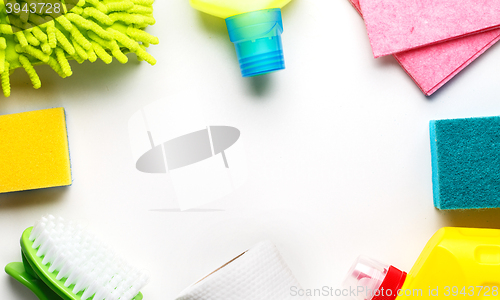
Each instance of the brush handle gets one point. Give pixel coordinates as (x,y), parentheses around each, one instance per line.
(25,275)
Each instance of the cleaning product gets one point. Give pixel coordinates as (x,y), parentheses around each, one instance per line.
(431,67)
(86,30)
(63,261)
(34,151)
(465,163)
(395,26)
(456,262)
(255,28)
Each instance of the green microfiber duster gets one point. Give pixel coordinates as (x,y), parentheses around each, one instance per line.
(466,163)
(34,33)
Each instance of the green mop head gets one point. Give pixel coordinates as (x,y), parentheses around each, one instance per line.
(35,32)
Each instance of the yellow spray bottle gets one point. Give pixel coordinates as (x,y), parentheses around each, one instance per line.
(255,28)
(456,263)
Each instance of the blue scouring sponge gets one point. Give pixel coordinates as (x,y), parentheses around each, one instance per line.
(466,163)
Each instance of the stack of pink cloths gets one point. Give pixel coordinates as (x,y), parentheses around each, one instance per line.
(433,40)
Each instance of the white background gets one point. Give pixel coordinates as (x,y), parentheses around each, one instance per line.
(338,149)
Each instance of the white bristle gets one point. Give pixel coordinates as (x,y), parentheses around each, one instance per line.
(82,262)
(44,235)
(37,229)
(58,261)
(49,256)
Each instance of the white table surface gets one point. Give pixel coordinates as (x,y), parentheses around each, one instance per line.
(337,146)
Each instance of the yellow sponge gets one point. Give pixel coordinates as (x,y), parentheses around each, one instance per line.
(34,150)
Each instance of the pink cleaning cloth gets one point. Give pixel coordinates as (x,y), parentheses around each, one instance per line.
(355,3)
(432,66)
(400,25)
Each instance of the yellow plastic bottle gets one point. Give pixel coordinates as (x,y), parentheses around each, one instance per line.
(456,263)
(255,28)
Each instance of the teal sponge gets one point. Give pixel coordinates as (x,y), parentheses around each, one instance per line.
(466,163)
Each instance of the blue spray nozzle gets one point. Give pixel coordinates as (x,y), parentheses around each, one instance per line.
(257,38)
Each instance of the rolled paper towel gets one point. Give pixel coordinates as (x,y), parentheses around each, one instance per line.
(257,274)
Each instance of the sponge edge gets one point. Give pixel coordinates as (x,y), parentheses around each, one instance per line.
(466,163)
(34,151)
(434,157)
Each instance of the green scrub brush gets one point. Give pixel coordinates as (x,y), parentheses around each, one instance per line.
(61,261)
(84,30)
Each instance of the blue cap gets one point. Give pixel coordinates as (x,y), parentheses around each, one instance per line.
(257,38)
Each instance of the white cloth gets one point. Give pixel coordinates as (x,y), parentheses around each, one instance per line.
(258,274)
